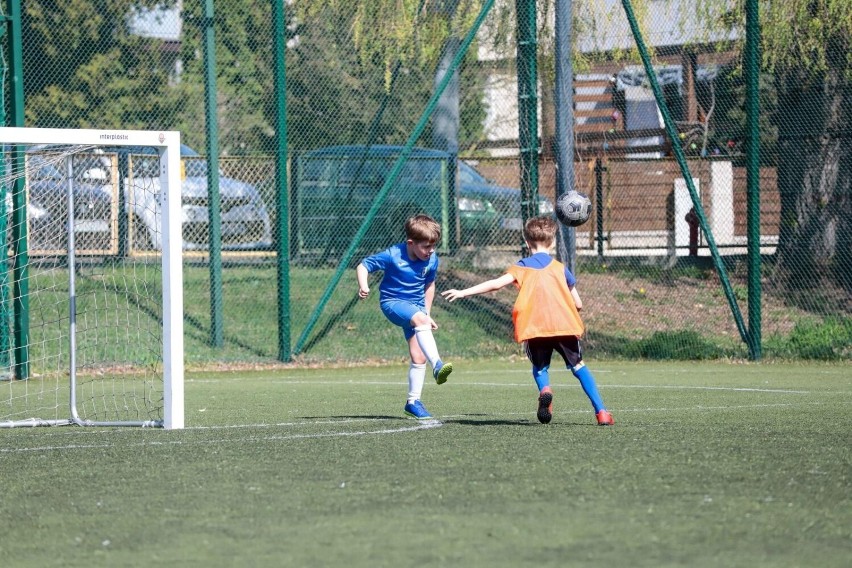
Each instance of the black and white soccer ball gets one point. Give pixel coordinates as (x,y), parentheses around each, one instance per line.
(573,208)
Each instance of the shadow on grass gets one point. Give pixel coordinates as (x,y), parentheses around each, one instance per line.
(493,422)
(554,424)
(354,417)
(330,323)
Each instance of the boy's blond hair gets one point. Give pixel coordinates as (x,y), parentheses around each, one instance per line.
(423,228)
(541,230)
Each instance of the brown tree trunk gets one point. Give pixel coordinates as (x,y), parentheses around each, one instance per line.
(815,175)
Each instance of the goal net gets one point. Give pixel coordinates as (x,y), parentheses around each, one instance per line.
(91,319)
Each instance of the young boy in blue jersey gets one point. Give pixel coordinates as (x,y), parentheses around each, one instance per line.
(405,296)
(546,315)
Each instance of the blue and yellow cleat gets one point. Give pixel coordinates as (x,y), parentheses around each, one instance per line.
(442,371)
(417,410)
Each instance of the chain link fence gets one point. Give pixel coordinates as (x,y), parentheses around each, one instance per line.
(393,108)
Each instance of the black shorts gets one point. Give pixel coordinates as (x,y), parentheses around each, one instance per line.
(540,350)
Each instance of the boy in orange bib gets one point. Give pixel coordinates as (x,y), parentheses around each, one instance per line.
(546,315)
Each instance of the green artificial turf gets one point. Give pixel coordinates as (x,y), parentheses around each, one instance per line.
(708,464)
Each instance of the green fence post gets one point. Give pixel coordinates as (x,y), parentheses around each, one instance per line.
(20,287)
(5,311)
(752,64)
(527,107)
(281,185)
(213,203)
(687,176)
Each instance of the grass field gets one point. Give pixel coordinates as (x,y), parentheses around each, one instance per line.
(708,464)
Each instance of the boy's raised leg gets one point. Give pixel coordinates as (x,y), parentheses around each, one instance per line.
(426,341)
(442,371)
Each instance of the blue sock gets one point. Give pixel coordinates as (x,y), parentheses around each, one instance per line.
(587,381)
(541,376)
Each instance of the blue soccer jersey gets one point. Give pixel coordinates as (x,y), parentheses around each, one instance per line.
(404,279)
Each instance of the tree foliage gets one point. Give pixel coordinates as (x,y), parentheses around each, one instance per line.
(810,34)
(243,75)
(348,49)
(84,68)
(411,31)
(806,48)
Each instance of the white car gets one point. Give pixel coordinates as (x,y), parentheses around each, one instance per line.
(245,222)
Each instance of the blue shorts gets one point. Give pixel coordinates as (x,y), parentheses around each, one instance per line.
(400,313)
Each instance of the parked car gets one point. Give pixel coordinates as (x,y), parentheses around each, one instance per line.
(335,187)
(245,220)
(94,219)
(507,227)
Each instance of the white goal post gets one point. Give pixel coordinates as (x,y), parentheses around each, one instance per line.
(91,331)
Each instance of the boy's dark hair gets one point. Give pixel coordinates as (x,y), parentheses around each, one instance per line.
(423,228)
(541,230)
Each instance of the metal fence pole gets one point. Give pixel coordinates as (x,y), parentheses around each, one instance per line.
(281,184)
(527,108)
(213,203)
(20,288)
(752,64)
(564,99)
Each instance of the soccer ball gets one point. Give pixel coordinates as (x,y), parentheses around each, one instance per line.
(573,208)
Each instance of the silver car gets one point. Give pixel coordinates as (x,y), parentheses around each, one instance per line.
(245,222)
(94,221)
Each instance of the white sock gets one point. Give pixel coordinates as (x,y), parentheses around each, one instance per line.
(427,344)
(416,376)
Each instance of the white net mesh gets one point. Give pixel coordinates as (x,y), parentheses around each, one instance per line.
(81,332)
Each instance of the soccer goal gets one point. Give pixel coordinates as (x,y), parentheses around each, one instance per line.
(91,330)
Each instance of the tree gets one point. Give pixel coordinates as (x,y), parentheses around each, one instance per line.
(85,68)
(335,81)
(85,65)
(807,45)
(354,58)
(244,82)
(807,50)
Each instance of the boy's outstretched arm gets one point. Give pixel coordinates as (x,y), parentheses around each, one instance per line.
(482,288)
(577,301)
(363,281)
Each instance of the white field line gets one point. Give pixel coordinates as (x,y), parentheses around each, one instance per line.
(526,384)
(617,411)
(420,425)
(392,374)
(424,425)
(693,387)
